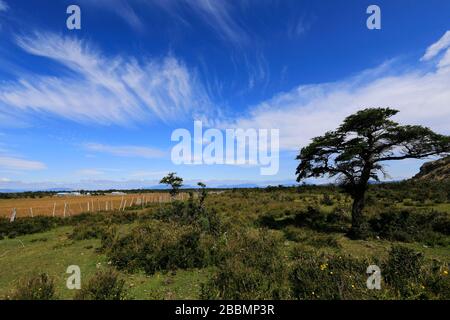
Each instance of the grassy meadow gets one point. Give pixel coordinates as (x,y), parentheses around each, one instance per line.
(271,243)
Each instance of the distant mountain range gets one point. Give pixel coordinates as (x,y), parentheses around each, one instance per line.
(188,185)
(438,170)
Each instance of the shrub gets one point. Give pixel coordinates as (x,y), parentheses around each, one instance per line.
(192,213)
(157,246)
(86,231)
(409,226)
(326,200)
(329,277)
(253,268)
(310,237)
(403,269)
(313,218)
(437,280)
(36,287)
(28,225)
(104,285)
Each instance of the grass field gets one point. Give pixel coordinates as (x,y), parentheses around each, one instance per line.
(26,207)
(258,213)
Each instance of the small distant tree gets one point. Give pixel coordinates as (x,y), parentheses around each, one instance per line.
(174,182)
(354,153)
(202,194)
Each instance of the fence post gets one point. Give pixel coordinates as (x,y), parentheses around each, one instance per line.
(54,208)
(65,207)
(13,215)
(31,212)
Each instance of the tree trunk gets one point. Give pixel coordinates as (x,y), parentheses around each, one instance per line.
(358,229)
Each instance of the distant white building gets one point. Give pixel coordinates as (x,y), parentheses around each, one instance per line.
(68,194)
(118,193)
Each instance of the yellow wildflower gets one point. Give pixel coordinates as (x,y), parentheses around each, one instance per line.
(445,273)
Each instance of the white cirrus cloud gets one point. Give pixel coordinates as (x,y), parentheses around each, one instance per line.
(421,94)
(100,89)
(217,15)
(90,172)
(122,8)
(437,47)
(148,174)
(14,163)
(125,151)
(3,6)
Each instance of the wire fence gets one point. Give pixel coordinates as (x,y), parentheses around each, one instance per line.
(63,206)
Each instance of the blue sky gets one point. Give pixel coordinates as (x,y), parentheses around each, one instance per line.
(96,107)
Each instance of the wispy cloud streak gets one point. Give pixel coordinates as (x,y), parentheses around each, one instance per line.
(421,93)
(13,163)
(3,6)
(101,89)
(125,151)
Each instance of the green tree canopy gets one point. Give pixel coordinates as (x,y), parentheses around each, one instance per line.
(354,153)
(174,181)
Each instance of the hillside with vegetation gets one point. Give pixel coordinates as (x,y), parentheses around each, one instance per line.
(438,170)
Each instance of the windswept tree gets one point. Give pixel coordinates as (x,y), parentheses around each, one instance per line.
(174,182)
(354,153)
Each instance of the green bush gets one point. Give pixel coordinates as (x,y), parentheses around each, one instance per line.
(312,218)
(23,226)
(326,200)
(329,277)
(437,281)
(36,287)
(253,268)
(192,213)
(409,226)
(104,285)
(157,246)
(310,237)
(28,225)
(86,231)
(403,270)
